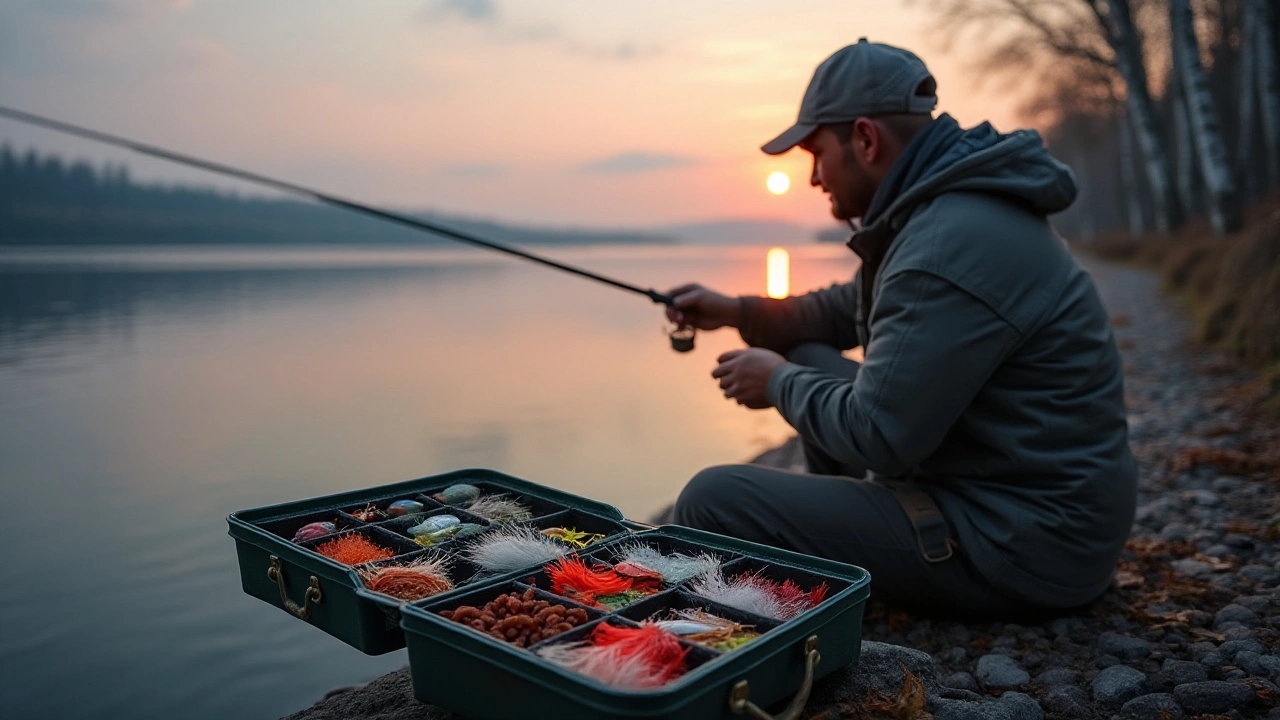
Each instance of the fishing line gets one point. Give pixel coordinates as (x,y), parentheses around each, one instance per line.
(145,149)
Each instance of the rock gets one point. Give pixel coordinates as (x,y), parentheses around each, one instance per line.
(1235,614)
(1180,672)
(1218,551)
(1230,648)
(1250,662)
(1020,706)
(1156,706)
(1272,665)
(1117,685)
(1191,568)
(953,656)
(390,697)
(1203,498)
(1231,674)
(1001,672)
(1260,574)
(1213,696)
(880,667)
(1123,647)
(961,681)
(1256,603)
(1057,676)
(1067,701)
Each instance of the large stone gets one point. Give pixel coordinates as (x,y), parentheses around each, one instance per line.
(1001,672)
(1235,614)
(1057,676)
(1213,696)
(1179,672)
(1067,701)
(879,667)
(1010,706)
(1156,706)
(1123,647)
(1117,685)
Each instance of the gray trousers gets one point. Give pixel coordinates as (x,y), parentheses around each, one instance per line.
(838,512)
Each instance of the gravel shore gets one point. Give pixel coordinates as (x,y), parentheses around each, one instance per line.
(1190,628)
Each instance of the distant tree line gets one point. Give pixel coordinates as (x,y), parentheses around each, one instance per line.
(46,201)
(1165,109)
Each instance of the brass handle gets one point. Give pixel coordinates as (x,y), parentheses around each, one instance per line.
(276,573)
(740,705)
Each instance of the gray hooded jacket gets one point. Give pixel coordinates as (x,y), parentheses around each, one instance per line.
(991,375)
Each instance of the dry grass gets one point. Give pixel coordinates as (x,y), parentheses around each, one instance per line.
(1232,283)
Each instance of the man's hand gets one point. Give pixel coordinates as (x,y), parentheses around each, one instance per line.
(702,308)
(744,375)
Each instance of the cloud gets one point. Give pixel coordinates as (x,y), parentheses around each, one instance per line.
(472,11)
(486,14)
(635,162)
(479,170)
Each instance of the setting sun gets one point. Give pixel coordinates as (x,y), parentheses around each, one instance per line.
(778,183)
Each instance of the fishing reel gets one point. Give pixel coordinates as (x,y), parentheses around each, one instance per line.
(682,338)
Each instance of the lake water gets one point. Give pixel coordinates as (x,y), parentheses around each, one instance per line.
(145,394)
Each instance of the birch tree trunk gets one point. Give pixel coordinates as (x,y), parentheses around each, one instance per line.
(1224,200)
(1128,51)
(1129,179)
(1268,86)
(1248,84)
(1190,189)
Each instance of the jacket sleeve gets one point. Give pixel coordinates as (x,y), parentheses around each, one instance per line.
(828,316)
(933,346)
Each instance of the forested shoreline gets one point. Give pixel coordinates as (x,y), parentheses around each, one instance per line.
(45,200)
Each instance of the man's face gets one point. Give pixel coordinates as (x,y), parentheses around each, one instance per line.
(840,172)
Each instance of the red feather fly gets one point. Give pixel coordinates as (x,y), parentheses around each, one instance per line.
(571,578)
(642,657)
(792,595)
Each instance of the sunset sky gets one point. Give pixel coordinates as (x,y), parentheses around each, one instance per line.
(620,114)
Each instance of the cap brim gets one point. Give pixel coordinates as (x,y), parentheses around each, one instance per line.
(790,138)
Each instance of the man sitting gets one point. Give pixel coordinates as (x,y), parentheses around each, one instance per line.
(977,461)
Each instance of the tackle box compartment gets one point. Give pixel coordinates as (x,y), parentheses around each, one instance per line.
(329,595)
(474,675)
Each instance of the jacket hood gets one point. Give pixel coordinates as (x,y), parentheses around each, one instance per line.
(945,158)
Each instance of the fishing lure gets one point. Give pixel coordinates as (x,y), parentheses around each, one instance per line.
(453,532)
(571,578)
(434,524)
(571,536)
(354,549)
(501,509)
(400,508)
(369,513)
(754,593)
(311,531)
(674,569)
(460,494)
(704,628)
(412,581)
(624,657)
(512,547)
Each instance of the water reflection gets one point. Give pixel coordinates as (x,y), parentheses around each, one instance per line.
(140,404)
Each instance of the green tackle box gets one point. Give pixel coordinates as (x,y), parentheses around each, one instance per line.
(329,595)
(474,675)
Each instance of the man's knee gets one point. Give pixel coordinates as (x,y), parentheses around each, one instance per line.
(705,498)
(823,357)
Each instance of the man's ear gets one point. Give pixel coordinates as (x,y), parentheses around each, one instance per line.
(866,140)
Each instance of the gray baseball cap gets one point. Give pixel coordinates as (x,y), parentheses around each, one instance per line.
(859,80)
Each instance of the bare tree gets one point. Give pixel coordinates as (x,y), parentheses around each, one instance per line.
(1268,87)
(1247,85)
(1192,86)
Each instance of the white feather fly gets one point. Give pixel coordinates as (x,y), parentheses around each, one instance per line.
(513,547)
(674,568)
(743,593)
(500,508)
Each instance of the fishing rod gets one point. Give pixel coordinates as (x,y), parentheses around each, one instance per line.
(681,338)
